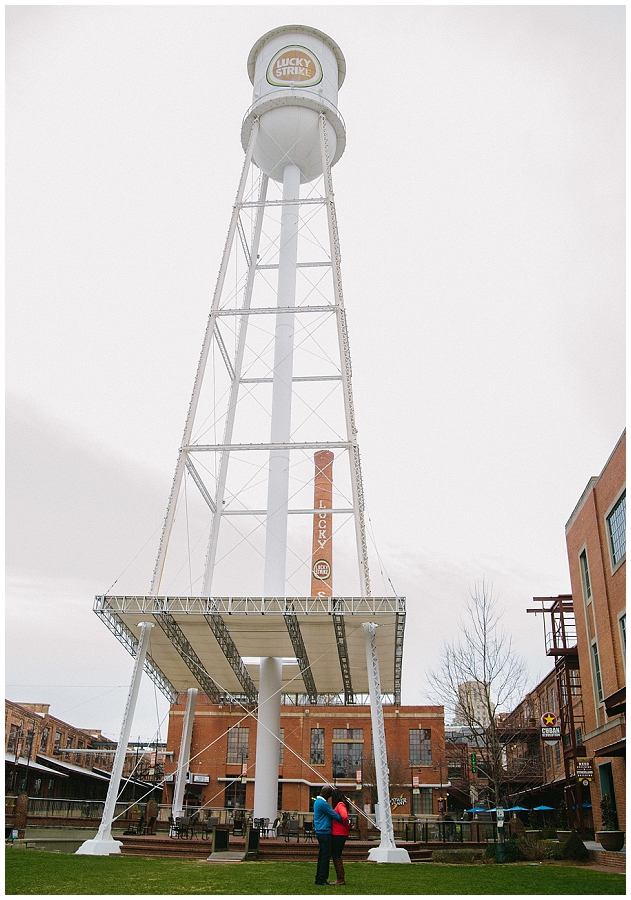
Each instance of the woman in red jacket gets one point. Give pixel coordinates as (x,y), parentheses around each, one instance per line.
(339,832)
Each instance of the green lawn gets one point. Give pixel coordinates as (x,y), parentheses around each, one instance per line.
(39,872)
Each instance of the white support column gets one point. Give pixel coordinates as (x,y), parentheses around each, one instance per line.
(267,739)
(387,851)
(104,844)
(271,670)
(185,753)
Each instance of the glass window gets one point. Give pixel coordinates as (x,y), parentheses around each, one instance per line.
(348,734)
(68,743)
(281,748)
(234,794)
(347,758)
(597,676)
(14,735)
(317,747)
(57,741)
(616,525)
(557,752)
(587,587)
(238,744)
(623,632)
(553,700)
(43,743)
(420,746)
(579,736)
(37,786)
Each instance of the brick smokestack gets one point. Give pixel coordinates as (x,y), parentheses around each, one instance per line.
(322,553)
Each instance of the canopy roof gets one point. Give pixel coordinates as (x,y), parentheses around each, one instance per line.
(206,642)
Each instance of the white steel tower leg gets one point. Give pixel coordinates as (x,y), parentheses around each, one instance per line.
(387,851)
(185,753)
(270,673)
(104,844)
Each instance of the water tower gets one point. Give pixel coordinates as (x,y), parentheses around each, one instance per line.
(232,602)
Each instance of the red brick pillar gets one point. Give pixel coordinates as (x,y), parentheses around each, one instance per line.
(21,812)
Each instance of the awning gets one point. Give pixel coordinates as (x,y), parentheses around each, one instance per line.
(70,767)
(24,762)
(619,748)
(616,703)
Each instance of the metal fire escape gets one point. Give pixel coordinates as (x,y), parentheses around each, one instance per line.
(561,643)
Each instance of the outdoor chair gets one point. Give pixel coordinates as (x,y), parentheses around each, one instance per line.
(293,829)
(151,825)
(274,828)
(136,827)
(309,833)
(183,827)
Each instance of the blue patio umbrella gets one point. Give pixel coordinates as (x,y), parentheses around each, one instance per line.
(543,808)
(517,809)
(477,809)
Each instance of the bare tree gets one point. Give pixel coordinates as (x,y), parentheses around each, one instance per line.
(479,676)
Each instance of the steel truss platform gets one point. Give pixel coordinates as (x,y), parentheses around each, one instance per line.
(202,642)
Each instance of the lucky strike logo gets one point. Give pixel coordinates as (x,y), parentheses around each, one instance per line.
(294,65)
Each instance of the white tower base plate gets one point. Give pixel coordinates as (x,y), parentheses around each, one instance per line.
(96,847)
(388,855)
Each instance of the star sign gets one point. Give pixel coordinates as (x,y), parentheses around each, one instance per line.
(549,719)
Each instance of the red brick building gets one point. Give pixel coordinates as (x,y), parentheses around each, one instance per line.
(596,546)
(323,744)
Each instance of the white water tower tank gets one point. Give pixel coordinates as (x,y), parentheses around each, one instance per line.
(296,71)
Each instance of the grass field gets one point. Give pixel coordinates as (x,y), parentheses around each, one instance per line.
(39,872)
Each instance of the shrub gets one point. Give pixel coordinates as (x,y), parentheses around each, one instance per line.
(457,856)
(534,849)
(575,849)
(549,834)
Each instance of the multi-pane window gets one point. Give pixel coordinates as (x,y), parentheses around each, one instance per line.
(234,795)
(237,744)
(422,803)
(348,750)
(57,741)
(317,747)
(623,632)
(616,525)
(420,746)
(557,753)
(14,735)
(579,736)
(281,748)
(553,700)
(43,743)
(587,585)
(597,675)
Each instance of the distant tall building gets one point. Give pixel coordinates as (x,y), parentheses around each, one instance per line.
(473,704)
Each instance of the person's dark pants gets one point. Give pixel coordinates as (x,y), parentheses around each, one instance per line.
(324,857)
(337,845)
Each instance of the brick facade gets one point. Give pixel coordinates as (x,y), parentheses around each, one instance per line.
(598,592)
(324,744)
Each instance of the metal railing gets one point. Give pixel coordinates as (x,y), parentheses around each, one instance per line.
(426,832)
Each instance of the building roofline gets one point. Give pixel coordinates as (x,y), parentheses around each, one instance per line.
(593,481)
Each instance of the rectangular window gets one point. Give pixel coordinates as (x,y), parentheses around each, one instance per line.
(579,736)
(557,752)
(281,747)
(37,786)
(57,742)
(43,744)
(237,744)
(234,794)
(348,751)
(68,743)
(587,587)
(597,676)
(14,734)
(616,526)
(553,700)
(623,632)
(420,746)
(317,747)
(427,805)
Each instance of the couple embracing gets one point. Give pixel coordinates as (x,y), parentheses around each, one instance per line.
(332,827)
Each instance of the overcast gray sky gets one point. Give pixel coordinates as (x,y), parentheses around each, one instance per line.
(480,202)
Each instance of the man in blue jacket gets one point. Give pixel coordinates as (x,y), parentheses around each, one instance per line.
(322,816)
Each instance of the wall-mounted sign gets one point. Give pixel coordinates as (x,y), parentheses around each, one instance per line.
(398,801)
(321,569)
(294,65)
(584,769)
(550,730)
(201,779)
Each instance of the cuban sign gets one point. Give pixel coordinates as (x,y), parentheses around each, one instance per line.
(550,731)
(294,65)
